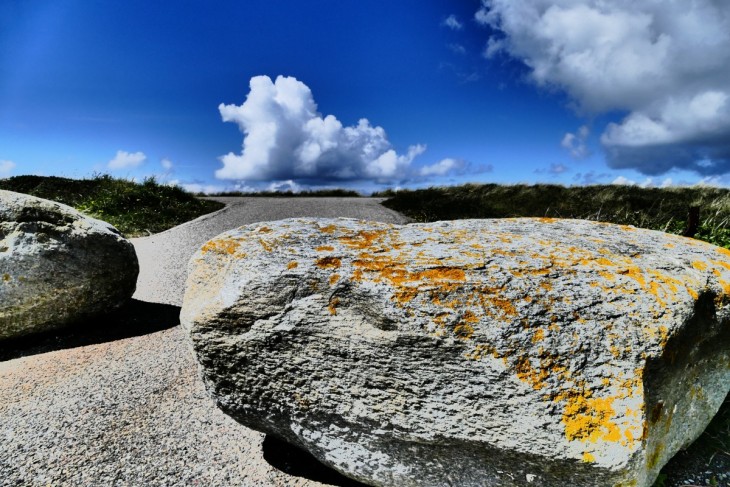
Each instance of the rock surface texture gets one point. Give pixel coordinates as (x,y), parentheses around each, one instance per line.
(476,352)
(57,265)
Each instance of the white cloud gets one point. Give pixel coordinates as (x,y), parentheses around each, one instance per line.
(575,144)
(283,186)
(285,137)
(125,160)
(623,181)
(453,23)
(667,64)
(6,167)
(646,183)
(202,188)
(443,167)
(167,164)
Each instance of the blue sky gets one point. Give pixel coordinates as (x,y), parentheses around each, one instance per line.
(272,94)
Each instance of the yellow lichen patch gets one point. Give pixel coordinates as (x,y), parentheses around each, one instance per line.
(588,457)
(405,294)
(692,293)
(266,245)
(264,230)
(604,262)
(292,265)
(724,251)
(634,273)
(588,418)
(328,263)
(329,229)
(527,373)
(332,307)
(538,336)
(481,350)
(333,279)
(6,277)
(463,331)
(224,246)
(363,239)
(491,299)
(440,274)
(699,265)
(325,248)
(547,220)
(609,276)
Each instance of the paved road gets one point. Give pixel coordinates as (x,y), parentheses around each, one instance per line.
(163,257)
(132,411)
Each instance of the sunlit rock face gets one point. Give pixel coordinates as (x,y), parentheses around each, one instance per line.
(474,352)
(58,266)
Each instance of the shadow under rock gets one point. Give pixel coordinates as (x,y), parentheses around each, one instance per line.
(297,462)
(135,318)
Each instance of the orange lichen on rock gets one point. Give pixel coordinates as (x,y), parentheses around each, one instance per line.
(292,265)
(325,248)
(332,306)
(363,239)
(536,377)
(329,229)
(266,245)
(223,246)
(333,279)
(329,263)
(463,330)
(589,418)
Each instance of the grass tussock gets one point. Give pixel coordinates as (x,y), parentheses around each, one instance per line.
(136,209)
(664,209)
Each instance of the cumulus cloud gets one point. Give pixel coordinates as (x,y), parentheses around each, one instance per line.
(286,138)
(6,167)
(666,64)
(167,164)
(575,143)
(646,183)
(443,167)
(453,23)
(126,160)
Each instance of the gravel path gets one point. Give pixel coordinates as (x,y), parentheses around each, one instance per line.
(132,412)
(108,408)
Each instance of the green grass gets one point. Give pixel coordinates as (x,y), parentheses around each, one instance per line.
(662,209)
(135,209)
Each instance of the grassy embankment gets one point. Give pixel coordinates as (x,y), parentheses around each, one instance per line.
(135,209)
(664,209)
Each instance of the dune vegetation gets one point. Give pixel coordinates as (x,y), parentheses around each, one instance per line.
(135,209)
(665,209)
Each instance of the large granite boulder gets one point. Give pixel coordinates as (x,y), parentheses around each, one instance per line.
(58,266)
(477,352)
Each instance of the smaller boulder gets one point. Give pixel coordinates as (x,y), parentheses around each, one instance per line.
(58,266)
